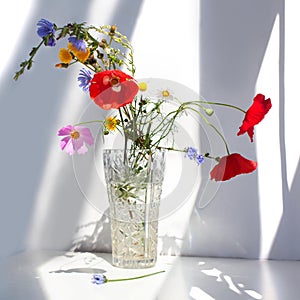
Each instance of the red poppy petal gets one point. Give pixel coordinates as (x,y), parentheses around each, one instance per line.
(255,114)
(109,96)
(232,165)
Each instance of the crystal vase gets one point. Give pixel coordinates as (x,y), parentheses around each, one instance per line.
(134,184)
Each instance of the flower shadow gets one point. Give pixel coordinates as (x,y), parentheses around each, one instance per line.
(169,245)
(80,270)
(94,236)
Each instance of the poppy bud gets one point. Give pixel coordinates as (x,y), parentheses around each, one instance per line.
(209,111)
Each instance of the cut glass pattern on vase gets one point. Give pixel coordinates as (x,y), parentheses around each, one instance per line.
(134,199)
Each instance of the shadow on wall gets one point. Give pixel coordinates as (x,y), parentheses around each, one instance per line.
(286,244)
(233,37)
(30,109)
(99,237)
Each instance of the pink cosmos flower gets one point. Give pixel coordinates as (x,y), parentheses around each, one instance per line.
(75,139)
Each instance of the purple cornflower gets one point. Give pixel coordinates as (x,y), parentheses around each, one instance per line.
(75,139)
(84,77)
(46,29)
(99,279)
(77,43)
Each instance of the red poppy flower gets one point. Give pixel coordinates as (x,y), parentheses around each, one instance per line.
(232,165)
(112,89)
(255,114)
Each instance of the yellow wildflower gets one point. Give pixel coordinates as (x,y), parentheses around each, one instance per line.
(111,123)
(65,56)
(82,56)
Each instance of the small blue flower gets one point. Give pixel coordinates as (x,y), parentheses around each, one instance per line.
(77,43)
(99,279)
(46,28)
(191,153)
(199,159)
(84,77)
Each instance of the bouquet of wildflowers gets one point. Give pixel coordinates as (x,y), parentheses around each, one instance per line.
(108,76)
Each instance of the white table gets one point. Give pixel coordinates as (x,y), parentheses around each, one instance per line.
(48,275)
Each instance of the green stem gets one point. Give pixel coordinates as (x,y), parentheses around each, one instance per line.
(213,126)
(88,122)
(171,149)
(125,135)
(27,64)
(223,104)
(133,278)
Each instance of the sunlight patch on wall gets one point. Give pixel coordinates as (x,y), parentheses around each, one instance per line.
(168,49)
(291,89)
(11,36)
(268,145)
(55,165)
(101,13)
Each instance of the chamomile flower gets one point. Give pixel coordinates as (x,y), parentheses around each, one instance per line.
(165,94)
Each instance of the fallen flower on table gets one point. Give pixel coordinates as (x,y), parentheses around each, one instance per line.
(100,278)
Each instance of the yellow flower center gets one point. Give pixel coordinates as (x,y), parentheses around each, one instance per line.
(165,93)
(75,134)
(143,86)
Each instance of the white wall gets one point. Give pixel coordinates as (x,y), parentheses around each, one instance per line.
(225,50)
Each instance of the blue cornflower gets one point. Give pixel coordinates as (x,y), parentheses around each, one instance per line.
(46,28)
(99,279)
(191,153)
(77,43)
(84,77)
